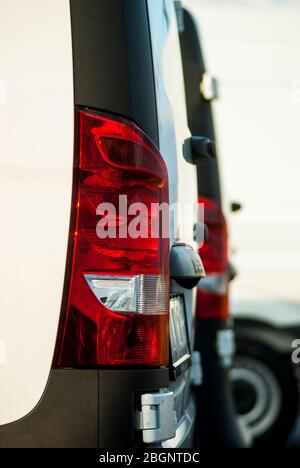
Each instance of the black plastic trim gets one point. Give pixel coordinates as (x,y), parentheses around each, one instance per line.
(66,416)
(112,59)
(200,117)
(84,409)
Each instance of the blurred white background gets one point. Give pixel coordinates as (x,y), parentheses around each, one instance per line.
(253,49)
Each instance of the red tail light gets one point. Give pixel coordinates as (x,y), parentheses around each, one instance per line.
(212,293)
(117,312)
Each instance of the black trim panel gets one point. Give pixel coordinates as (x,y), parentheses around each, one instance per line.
(200,117)
(67,415)
(113,70)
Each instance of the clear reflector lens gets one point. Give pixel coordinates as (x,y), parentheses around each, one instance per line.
(141,294)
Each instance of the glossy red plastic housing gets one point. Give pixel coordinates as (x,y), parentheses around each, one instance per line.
(116,159)
(212,292)
(212,305)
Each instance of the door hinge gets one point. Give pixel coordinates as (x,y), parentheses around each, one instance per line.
(157,418)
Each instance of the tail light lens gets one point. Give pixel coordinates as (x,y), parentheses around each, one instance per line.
(117,311)
(212,292)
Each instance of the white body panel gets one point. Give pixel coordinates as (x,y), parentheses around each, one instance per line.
(36,159)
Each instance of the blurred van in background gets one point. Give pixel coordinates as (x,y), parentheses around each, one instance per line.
(253,48)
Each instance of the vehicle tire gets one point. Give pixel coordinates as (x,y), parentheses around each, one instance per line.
(266,393)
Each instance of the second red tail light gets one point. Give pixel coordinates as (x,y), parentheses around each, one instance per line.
(212,292)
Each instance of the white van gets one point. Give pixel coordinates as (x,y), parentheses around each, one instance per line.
(92,108)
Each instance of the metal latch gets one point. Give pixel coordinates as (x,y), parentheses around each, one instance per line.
(157,418)
(226,347)
(197,372)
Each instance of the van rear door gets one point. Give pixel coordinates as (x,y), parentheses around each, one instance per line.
(173,131)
